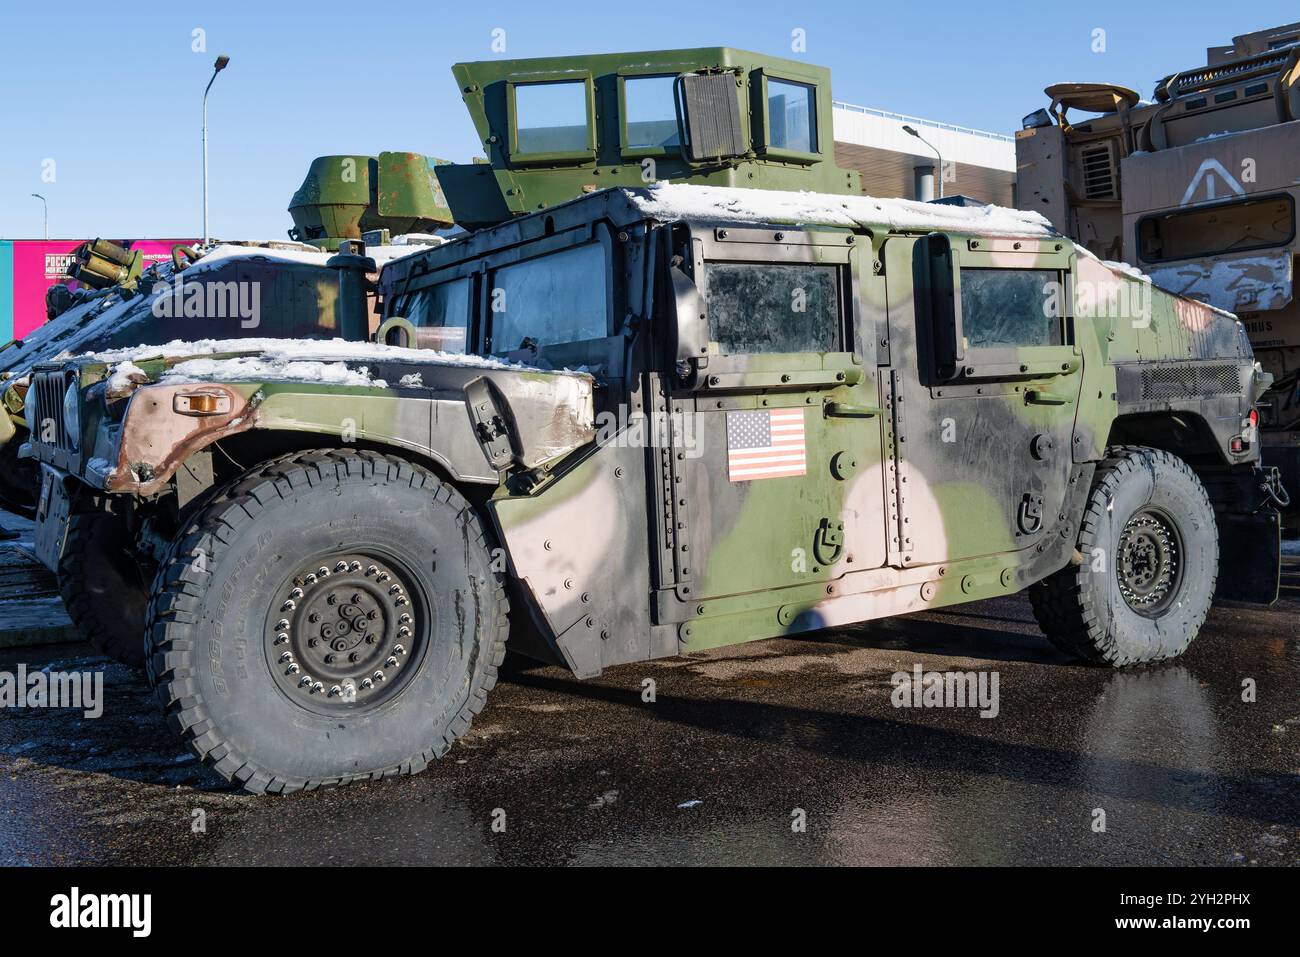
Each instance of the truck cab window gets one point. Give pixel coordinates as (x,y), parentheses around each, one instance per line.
(772,307)
(1011,307)
(792,112)
(551,117)
(440,315)
(1235,227)
(557,298)
(651,116)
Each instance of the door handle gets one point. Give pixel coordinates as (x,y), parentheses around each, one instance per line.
(847,410)
(1043,397)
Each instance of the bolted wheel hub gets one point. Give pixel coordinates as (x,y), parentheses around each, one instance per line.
(344,632)
(1149,563)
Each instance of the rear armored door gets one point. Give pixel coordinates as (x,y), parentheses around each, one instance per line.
(982,394)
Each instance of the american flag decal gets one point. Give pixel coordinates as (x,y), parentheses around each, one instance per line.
(766,444)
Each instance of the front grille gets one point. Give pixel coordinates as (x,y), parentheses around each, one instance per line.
(48,429)
(1190,381)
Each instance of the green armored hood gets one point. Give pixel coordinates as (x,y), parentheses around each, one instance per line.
(481,416)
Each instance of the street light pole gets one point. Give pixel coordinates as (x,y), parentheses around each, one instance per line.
(47,213)
(216,68)
(912,132)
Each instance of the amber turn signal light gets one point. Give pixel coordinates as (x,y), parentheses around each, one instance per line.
(201,403)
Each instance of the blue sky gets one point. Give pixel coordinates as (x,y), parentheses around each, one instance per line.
(111,92)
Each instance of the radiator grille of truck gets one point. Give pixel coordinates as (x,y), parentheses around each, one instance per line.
(48,387)
(1098,172)
(1190,381)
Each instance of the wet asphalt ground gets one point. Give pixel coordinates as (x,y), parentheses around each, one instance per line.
(717,769)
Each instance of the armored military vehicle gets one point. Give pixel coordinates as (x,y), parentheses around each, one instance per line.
(342,200)
(713,115)
(1197,188)
(656,421)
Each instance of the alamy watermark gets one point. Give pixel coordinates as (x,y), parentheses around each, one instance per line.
(946,689)
(78,690)
(210,300)
(77,910)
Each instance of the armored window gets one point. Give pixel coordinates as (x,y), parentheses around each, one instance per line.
(649,113)
(772,307)
(551,117)
(557,298)
(1003,308)
(440,315)
(791,116)
(1233,227)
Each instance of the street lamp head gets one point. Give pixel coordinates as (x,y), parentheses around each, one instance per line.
(38,195)
(911,131)
(222,62)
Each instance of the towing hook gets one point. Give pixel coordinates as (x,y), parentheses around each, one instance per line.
(1275,492)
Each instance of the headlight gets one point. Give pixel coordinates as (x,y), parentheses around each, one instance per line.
(29,407)
(72,414)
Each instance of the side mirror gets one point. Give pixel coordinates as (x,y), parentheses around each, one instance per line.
(708,117)
(691,321)
(938,305)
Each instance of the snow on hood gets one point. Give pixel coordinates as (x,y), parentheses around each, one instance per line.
(264,369)
(1131,271)
(288,360)
(669,201)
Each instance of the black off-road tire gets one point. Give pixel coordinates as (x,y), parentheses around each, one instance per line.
(19,478)
(213,648)
(1083,609)
(104,584)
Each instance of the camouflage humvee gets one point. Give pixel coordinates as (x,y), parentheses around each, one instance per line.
(652,421)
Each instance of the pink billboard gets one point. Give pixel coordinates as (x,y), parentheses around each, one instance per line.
(28,267)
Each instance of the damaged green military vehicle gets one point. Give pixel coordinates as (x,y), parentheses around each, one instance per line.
(649,421)
(947,416)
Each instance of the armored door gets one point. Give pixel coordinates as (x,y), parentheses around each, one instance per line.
(982,391)
(778,477)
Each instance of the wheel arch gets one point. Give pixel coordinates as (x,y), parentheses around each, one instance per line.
(1187,435)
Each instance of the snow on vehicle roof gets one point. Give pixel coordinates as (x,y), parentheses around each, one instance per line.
(310,257)
(289,360)
(668,201)
(113,310)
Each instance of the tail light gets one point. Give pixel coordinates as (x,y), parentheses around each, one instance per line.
(1250,427)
